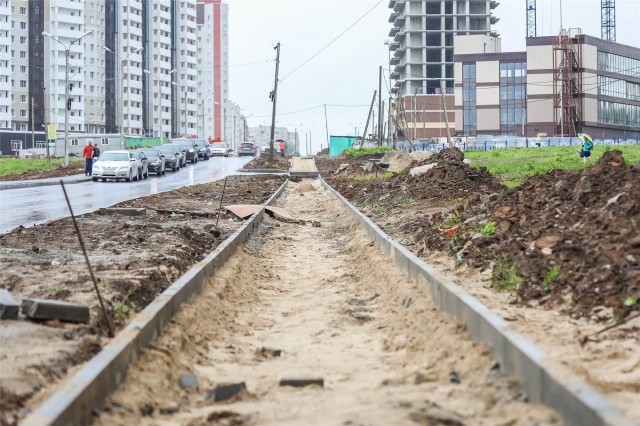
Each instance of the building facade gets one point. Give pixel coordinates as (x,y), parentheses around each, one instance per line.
(560,86)
(132,66)
(423,49)
(213,67)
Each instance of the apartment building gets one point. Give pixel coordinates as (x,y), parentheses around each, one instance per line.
(186,62)
(261,135)
(94,68)
(560,86)
(213,67)
(421,53)
(6,65)
(20,69)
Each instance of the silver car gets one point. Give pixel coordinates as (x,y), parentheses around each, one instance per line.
(115,165)
(143,165)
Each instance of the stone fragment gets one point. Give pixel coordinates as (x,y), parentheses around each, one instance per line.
(188,381)
(123,211)
(55,310)
(270,352)
(417,171)
(300,383)
(225,392)
(9,308)
(615,199)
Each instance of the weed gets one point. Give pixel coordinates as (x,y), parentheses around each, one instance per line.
(268,165)
(122,312)
(452,220)
(505,276)
(387,175)
(458,242)
(630,301)
(380,209)
(103,287)
(365,203)
(366,151)
(54,291)
(550,276)
(405,201)
(488,229)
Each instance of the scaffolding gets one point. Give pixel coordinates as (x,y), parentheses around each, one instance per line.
(608,21)
(567,77)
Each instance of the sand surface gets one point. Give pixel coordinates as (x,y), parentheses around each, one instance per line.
(339,310)
(299,164)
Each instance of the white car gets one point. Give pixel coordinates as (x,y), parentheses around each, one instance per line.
(115,165)
(219,148)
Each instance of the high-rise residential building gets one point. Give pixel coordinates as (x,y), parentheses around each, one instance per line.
(213,67)
(421,53)
(6,64)
(134,67)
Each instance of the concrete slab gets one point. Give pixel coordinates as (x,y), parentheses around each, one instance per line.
(54,309)
(300,383)
(123,211)
(188,381)
(9,308)
(225,392)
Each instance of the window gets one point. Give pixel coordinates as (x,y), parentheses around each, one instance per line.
(617,113)
(23,69)
(23,25)
(469,107)
(618,64)
(23,98)
(104,141)
(513,97)
(16,145)
(74,142)
(23,83)
(23,11)
(23,40)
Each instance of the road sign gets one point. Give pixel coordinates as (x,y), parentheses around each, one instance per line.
(52,133)
(52,144)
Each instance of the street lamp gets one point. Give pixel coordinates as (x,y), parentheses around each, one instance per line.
(66,90)
(152,112)
(122,88)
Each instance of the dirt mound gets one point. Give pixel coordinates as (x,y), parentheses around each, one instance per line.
(262,162)
(565,238)
(398,161)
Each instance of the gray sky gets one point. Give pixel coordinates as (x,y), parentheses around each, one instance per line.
(346,73)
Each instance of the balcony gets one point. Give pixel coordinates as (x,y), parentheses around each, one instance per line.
(400,36)
(399,6)
(494,4)
(392,3)
(393,31)
(494,19)
(394,60)
(393,17)
(394,46)
(399,21)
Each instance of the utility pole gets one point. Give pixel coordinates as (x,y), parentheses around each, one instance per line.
(33,140)
(274,98)
(446,115)
(380,107)
(326,124)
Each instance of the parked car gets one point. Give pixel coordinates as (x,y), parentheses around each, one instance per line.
(115,165)
(247,148)
(219,148)
(202,147)
(143,165)
(172,156)
(264,150)
(155,160)
(188,147)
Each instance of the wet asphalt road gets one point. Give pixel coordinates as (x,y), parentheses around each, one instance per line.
(30,206)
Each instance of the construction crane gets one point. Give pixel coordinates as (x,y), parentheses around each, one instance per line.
(531,18)
(608,12)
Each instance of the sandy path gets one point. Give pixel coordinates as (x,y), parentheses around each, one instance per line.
(338,310)
(299,164)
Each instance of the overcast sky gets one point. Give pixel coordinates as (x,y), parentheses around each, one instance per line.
(346,72)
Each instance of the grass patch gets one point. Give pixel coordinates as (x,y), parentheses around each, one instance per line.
(550,276)
(488,229)
(505,276)
(512,166)
(268,165)
(122,311)
(405,201)
(357,152)
(13,166)
(380,209)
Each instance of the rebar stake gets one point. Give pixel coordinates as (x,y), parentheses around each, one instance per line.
(86,258)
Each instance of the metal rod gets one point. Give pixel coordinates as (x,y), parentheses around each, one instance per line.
(221,198)
(86,258)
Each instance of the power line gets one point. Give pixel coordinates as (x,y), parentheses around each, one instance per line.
(332,41)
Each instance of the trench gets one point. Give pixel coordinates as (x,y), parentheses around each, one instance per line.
(299,301)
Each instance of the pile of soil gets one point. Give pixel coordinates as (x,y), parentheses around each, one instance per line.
(134,258)
(449,180)
(564,239)
(73,168)
(281,163)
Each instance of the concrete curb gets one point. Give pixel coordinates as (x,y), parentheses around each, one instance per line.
(543,380)
(272,171)
(75,401)
(15,184)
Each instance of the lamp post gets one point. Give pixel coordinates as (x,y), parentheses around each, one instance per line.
(152,114)
(389,124)
(66,90)
(121,103)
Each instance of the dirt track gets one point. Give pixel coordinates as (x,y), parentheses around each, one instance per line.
(338,310)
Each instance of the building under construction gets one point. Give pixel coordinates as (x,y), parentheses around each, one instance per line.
(561,85)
